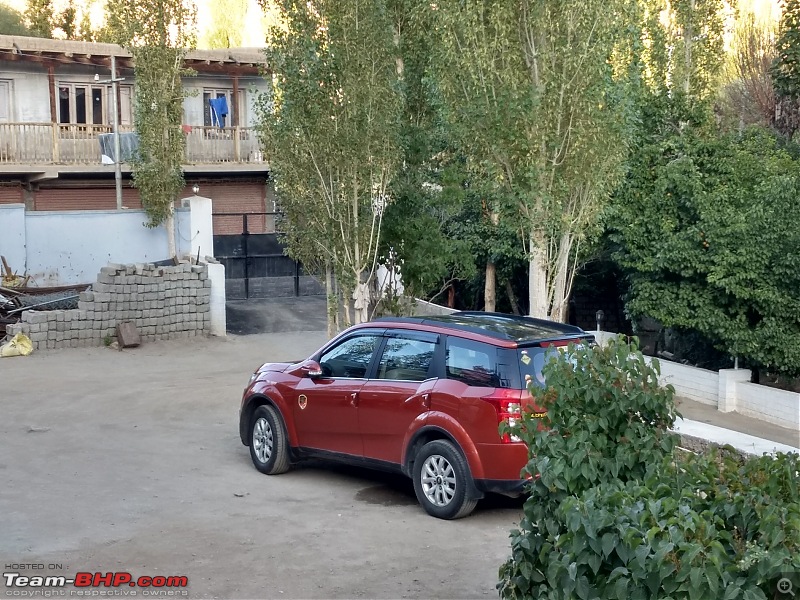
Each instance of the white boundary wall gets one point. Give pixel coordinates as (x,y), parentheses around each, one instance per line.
(70,247)
(769,404)
(729,390)
(696,384)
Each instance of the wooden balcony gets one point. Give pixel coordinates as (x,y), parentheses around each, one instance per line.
(46,144)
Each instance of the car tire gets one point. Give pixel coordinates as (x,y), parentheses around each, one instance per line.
(441,476)
(268,443)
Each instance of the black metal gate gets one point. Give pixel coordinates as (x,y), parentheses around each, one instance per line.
(255,263)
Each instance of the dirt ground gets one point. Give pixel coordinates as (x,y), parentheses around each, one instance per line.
(131,461)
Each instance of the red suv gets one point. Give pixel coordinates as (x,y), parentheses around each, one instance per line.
(423,396)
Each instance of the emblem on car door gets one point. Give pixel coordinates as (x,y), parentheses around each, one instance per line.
(302,401)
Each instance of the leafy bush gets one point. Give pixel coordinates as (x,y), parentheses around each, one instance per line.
(615,515)
(700,529)
(703,226)
(607,419)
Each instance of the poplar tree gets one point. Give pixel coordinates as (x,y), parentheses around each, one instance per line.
(158,34)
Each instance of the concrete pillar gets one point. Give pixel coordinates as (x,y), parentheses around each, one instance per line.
(216,273)
(726,392)
(201,226)
(13,237)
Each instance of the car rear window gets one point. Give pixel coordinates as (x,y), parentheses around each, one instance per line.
(472,363)
(484,365)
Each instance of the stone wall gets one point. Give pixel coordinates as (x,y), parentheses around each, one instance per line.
(163,302)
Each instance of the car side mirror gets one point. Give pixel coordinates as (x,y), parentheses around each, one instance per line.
(312,369)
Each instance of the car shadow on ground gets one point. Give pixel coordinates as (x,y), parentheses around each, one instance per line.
(393,489)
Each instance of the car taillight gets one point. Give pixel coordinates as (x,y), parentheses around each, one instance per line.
(508,405)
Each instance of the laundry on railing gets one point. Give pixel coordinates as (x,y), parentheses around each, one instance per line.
(219,110)
(128,147)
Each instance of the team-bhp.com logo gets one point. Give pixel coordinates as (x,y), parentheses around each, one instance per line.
(90,581)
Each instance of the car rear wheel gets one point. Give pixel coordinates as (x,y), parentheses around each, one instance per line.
(441,475)
(268,446)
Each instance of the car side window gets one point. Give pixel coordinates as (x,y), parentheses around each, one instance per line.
(406,359)
(349,359)
(472,363)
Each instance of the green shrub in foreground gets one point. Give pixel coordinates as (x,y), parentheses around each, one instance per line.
(613,515)
(696,530)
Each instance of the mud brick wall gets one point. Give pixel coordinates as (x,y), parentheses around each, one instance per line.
(163,302)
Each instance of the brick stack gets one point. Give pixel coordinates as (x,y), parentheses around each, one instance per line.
(163,303)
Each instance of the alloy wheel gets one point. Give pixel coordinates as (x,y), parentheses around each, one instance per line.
(263,439)
(438,480)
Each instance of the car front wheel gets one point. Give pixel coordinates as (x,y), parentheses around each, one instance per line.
(268,446)
(440,476)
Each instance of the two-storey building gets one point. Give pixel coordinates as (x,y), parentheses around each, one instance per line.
(55,102)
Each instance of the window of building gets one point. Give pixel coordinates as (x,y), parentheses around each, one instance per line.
(91,104)
(5,101)
(215,94)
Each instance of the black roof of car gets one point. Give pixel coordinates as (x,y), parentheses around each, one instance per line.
(502,326)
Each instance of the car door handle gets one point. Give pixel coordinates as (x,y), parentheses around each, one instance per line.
(426,400)
(354,399)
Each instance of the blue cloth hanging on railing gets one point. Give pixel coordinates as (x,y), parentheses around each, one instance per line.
(219,110)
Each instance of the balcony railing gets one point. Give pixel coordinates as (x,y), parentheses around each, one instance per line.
(37,144)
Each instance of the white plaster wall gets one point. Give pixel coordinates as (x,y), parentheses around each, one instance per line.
(254,89)
(30,96)
(216,273)
(201,227)
(12,236)
(70,247)
(696,384)
(425,308)
(779,407)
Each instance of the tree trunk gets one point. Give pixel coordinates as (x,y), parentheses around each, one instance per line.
(330,300)
(562,279)
(344,297)
(490,287)
(537,277)
(169,225)
(361,299)
(512,298)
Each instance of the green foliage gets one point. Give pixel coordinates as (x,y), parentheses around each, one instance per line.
(615,514)
(228,21)
(786,68)
(425,192)
(40,15)
(11,22)
(535,96)
(157,33)
(705,228)
(693,37)
(67,21)
(85,31)
(607,419)
(713,526)
(332,129)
